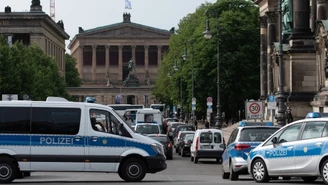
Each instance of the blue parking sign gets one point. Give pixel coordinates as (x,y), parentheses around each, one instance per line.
(271,98)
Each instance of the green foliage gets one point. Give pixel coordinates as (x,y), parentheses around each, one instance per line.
(238,41)
(28,70)
(72,76)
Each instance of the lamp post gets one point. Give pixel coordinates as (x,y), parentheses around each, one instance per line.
(281,117)
(186,57)
(176,68)
(208,35)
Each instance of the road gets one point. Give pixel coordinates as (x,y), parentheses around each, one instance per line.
(180,171)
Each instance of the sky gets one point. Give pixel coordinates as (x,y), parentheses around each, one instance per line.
(163,14)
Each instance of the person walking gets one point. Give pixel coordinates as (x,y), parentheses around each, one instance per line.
(196,124)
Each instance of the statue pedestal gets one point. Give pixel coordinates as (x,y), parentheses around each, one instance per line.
(37,8)
(131,81)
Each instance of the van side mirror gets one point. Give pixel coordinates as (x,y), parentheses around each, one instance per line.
(274,140)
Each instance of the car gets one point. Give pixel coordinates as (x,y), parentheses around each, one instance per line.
(172,128)
(207,143)
(165,141)
(298,149)
(147,128)
(243,139)
(185,143)
(179,136)
(181,128)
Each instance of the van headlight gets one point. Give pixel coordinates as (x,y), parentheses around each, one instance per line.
(158,148)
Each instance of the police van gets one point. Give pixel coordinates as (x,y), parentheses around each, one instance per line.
(149,115)
(299,149)
(61,136)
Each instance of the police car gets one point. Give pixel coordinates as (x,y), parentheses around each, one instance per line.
(243,139)
(297,149)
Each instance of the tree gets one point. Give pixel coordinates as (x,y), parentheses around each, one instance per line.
(28,70)
(239,61)
(72,76)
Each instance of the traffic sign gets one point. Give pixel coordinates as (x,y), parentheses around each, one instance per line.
(193,107)
(9,97)
(209,99)
(272,105)
(254,110)
(271,98)
(209,110)
(209,103)
(179,106)
(193,100)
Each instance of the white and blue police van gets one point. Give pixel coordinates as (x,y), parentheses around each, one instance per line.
(299,149)
(62,136)
(242,140)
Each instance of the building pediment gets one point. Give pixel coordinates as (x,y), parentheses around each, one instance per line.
(125,30)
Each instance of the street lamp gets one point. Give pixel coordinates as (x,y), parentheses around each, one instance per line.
(176,68)
(281,116)
(186,57)
(208,35)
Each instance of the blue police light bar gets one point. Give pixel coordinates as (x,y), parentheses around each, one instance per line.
(244,123)
(90,100)
(313,115)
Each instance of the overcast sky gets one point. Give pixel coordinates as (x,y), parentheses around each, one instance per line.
(163,14)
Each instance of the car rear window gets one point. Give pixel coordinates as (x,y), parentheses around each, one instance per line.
(256,134)
(206,137)
(190,128)
(161,139)
(147,129)
(217,137)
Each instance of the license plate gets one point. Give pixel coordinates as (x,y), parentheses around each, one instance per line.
(205,147)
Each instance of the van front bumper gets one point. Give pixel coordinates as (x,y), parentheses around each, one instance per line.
(156,163)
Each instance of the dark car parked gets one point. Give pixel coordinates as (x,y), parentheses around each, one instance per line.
(184,144)
(171,129)
(164,139)
(182,128)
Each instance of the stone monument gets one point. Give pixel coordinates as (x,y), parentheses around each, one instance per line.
(36,6)
(131,80)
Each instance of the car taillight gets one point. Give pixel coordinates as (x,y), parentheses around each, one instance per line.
(169,145)
(242,146)
(197,143)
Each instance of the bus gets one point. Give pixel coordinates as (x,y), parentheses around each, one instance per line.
(160,107)
(120,108)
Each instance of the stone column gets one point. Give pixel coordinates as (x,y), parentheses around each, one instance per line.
(263,58)
(321,10)
(80,62)
(120,62)
(159,55)
(301,18)
(107,57)
(133,53)
(271,37)
(94,62)
(63,59)
(146,58)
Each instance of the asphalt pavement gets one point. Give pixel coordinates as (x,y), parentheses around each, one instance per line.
(180,171)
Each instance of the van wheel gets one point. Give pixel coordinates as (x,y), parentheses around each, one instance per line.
(8,171)
(182,152)
(219,160)
(133,170)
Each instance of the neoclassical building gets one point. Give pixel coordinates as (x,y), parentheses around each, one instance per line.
(36,27)
(103,55)
(305,63)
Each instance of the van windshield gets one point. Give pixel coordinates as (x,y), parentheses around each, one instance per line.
(147,129)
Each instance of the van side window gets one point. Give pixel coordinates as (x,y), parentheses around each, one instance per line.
(15,119)
(64,121)
(104,121)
